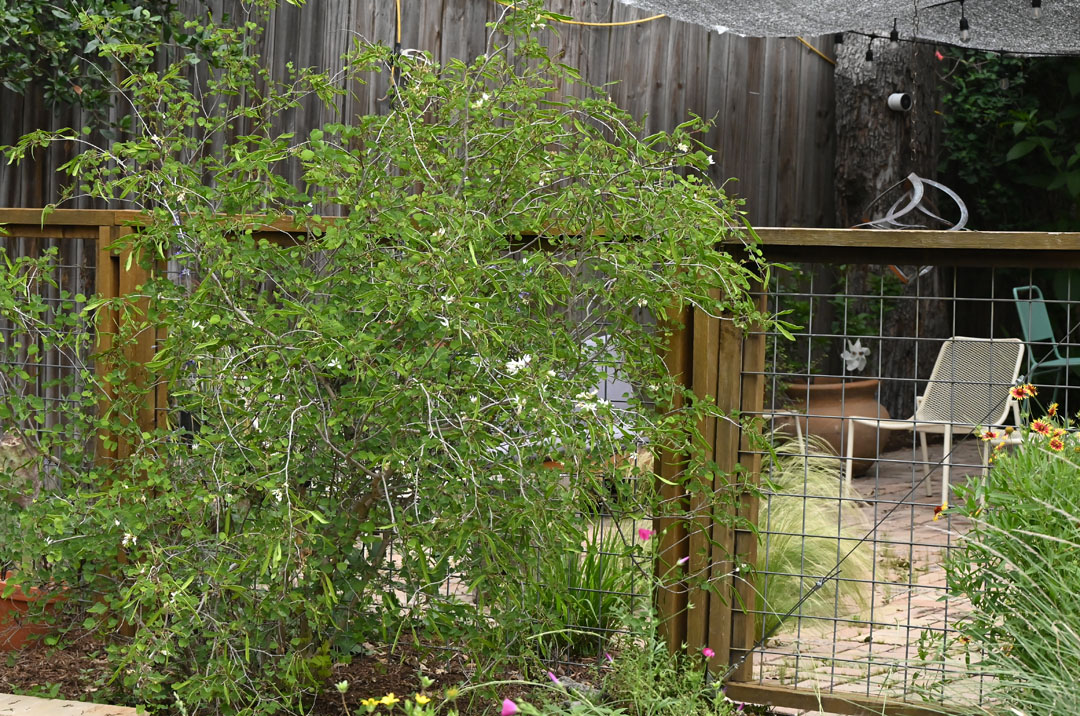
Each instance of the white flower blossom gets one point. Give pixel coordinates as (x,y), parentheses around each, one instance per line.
(682,147)
(642,302)
(129,539)
(855,356)
(710,160)
(588,402)
(444,322)
(447,299)
(513,367)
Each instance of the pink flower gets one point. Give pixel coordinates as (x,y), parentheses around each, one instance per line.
(554,679)
(708,653)
(683,560)
(937,54)
(608,657)
(644,534)
(509,708)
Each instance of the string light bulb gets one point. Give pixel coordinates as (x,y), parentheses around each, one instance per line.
(1036,9)
(965,26)
(838,38)
(894,37)
(868,63)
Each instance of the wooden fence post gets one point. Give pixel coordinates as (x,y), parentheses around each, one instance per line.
(671,597)
(107,286)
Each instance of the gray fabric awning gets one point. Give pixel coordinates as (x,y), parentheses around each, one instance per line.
(999,25)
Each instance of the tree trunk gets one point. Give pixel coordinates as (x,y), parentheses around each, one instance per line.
(876,148)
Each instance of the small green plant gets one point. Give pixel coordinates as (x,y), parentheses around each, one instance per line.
(808,523)
(581,599)
(645,679)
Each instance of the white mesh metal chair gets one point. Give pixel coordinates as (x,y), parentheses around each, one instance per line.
(968,388)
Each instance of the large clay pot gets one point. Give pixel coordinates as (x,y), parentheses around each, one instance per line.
(828,402)
(15,625)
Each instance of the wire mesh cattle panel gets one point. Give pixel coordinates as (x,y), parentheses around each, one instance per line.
(43,356)
(907,347)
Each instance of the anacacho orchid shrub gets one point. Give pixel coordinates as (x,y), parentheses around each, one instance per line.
(367,411)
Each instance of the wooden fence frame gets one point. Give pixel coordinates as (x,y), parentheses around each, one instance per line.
(721,364)
(713,358)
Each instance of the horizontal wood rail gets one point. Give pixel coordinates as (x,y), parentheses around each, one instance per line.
(982,248)
(828,702)
(921,247)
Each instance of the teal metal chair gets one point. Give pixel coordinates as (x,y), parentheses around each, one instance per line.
(1044,355)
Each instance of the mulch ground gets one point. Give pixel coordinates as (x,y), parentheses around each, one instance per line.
(80,672)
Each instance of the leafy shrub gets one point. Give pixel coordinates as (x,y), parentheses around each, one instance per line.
(358,420)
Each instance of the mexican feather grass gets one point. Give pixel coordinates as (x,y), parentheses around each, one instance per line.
(808,524)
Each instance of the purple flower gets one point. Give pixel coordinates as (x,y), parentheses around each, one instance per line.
(683,560)
(554,679)
(509,708)
(644,534)
(708,653)
(608,657)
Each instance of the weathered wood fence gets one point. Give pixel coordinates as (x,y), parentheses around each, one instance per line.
(772,98)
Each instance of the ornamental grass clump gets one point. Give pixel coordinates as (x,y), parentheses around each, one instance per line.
(359,415)
(809,522)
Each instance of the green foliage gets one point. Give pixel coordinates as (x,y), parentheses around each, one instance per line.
(1013,153)
(70,49)
(579,600)
(370,407)
(808,523)
(1019,566)
(646,680)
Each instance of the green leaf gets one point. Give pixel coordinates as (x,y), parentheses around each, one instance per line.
(1020,149)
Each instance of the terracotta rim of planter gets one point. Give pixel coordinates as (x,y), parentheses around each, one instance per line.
(831,384)
(36,593)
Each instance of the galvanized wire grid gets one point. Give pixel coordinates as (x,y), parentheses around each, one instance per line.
(901,642)
(55,376)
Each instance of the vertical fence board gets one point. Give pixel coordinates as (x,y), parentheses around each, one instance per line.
(707,350)
(751,400)
(724,362)
(671,598)
(108,287)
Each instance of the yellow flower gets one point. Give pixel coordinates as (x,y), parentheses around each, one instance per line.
(389,699)
(452,693)
(422,699)
(370,703)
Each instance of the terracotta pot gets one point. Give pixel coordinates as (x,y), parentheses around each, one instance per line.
(15,625)
(828,402)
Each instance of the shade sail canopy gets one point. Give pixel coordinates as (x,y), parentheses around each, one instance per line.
(998,25)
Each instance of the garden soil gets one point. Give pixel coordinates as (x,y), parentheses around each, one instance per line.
(80,672)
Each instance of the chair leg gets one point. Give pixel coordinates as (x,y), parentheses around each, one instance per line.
(926,465)
(946,463)
(849,463)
